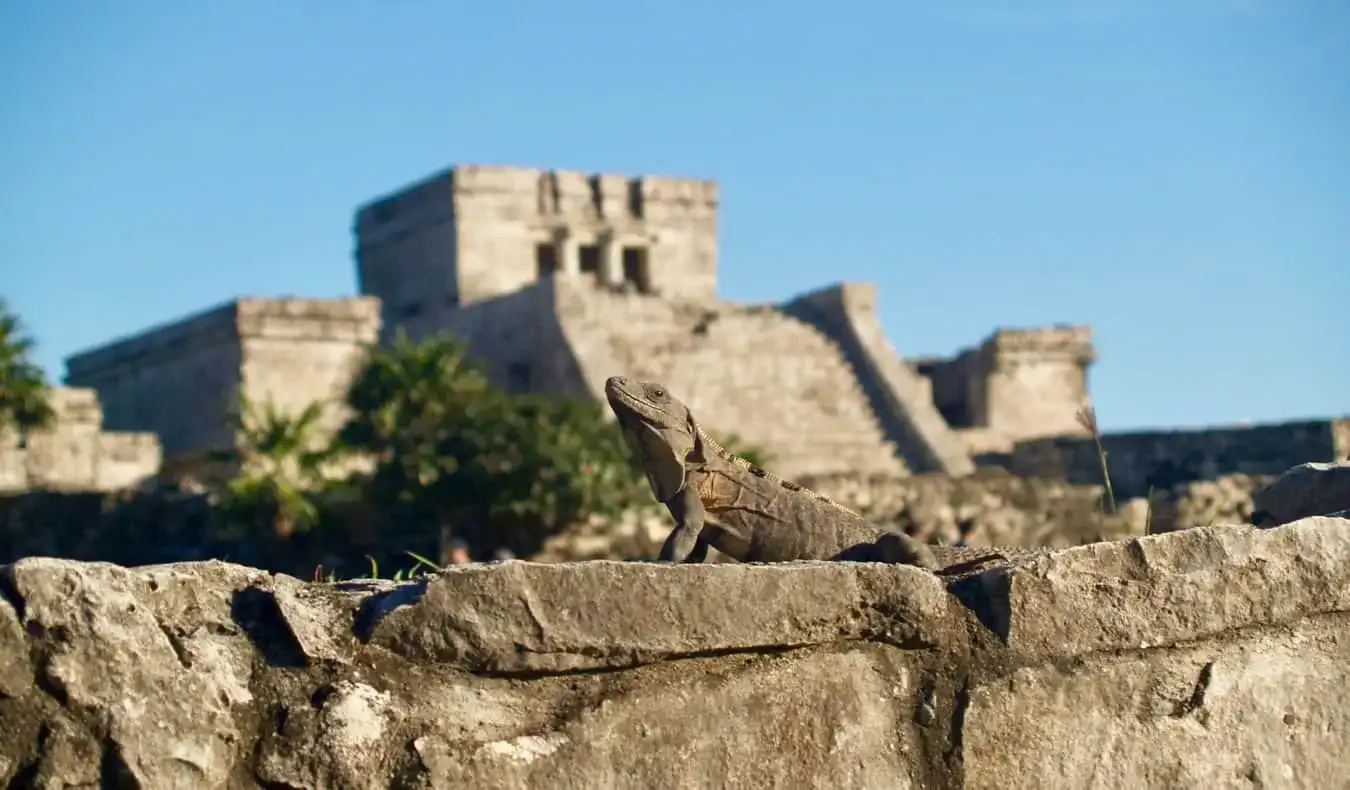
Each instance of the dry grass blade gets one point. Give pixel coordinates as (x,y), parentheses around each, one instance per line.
(1087,417)
(1148,512)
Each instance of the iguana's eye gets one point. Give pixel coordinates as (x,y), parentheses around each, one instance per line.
(658,392)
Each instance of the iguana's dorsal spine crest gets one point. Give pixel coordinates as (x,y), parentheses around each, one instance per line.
(750,468)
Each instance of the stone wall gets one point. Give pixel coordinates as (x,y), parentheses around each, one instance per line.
(1212,658)
(1161,459)
(75,453)
(174,380)
(182,381)
(989,508)
(1200,503)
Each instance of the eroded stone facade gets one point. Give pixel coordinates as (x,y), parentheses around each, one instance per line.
(818,400)
(1155,460)
(477,232)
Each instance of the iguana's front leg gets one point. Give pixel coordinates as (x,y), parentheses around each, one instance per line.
(686,542)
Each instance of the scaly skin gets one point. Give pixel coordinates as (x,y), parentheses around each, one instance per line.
(725,502)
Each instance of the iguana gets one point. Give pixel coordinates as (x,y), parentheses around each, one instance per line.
(720,500)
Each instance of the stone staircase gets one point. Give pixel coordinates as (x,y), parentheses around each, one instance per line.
(753,371)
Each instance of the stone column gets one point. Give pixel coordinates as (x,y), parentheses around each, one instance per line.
(611,260)
(568,264)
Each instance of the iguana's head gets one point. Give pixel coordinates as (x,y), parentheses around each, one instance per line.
(658,428)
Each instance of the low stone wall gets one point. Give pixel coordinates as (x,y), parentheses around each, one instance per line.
(1212,657)
(129,528)
(1162,459)
(164,525)
(990,508)
(1227,500)
(75,453)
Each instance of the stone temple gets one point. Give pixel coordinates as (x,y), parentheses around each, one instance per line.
(558,280)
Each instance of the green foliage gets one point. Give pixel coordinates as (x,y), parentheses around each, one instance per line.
(421,567)
(403,402)
(530,465)
(494,468)
(23,386)
(281,470)
(449,455)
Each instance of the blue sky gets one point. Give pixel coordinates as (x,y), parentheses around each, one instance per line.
(1174,172)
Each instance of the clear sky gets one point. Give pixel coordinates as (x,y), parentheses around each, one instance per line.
(1174,172)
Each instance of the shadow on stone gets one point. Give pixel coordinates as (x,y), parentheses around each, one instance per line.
(378,606)
(257,614)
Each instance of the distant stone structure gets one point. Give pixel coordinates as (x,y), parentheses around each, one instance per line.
(182,381)
(558,280)
(75,453)
(1018,384)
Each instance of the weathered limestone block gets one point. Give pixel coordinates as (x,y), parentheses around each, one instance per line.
(1257,710)
(1311,489)
(1213,657)
(522,617)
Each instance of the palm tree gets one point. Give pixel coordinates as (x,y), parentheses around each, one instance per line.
(403,399)
(403,403)
(23,386)
(282,466)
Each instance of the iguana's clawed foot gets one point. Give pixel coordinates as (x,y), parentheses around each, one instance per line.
(901,549)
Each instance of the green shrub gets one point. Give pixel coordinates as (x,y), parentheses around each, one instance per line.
(23,386)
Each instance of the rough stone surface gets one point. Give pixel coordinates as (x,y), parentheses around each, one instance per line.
(75,453)
(1214,657)
(1310,489)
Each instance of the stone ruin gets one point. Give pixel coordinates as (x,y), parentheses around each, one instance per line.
(558,280)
